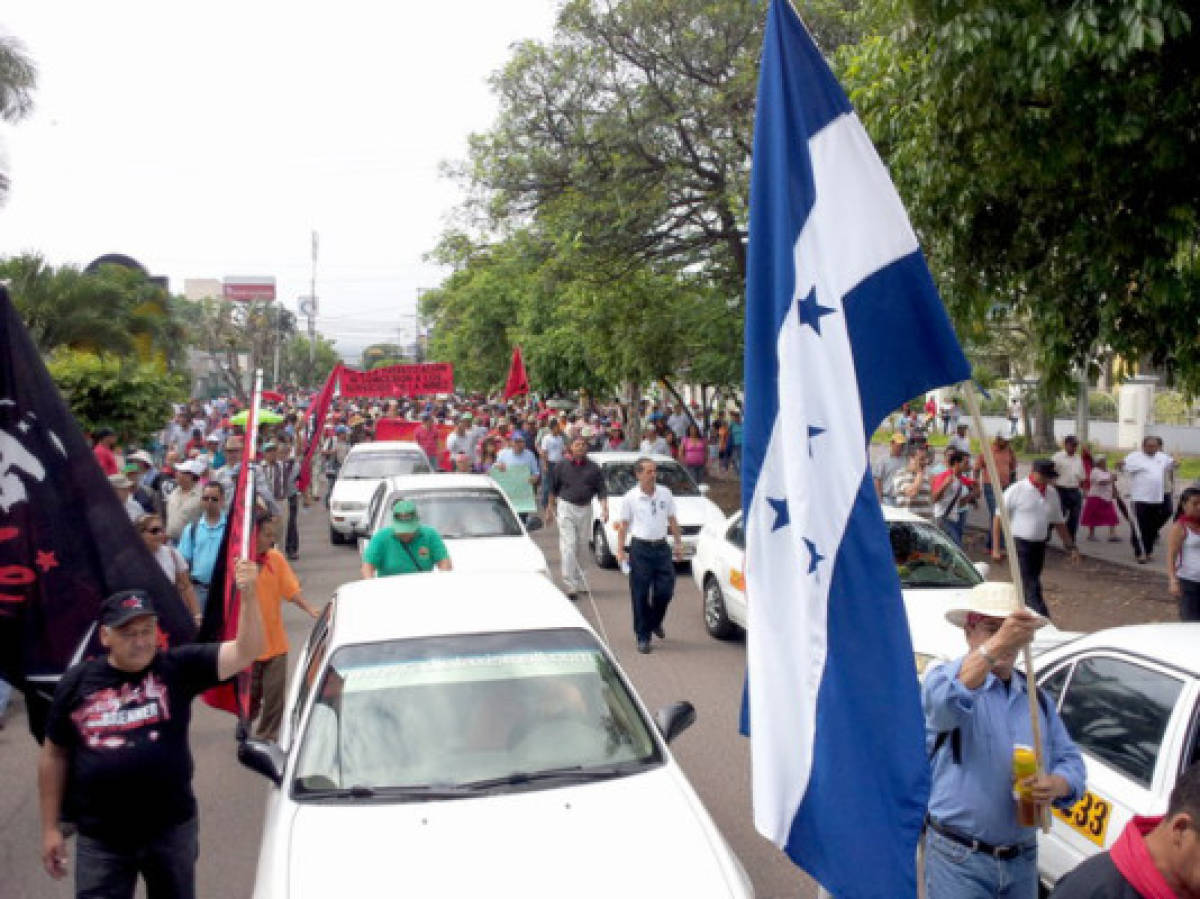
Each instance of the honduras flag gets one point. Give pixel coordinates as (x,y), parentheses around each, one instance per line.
(843,323)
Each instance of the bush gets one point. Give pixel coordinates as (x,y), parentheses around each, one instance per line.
(1102,406)
(132,398)
(1170,408)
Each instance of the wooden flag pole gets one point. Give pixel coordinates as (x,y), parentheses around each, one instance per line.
(248,458)
(1015,572)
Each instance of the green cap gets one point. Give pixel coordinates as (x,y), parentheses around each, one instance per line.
(131,468)
(404,517)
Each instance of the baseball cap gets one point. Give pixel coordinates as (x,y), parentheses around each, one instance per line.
(141,456)
(1045,468)
(192,467)
(123,607)
(405,519)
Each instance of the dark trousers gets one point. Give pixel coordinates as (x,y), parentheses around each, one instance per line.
(1150,518)
(651,584)
(1031,558)
(292,540)
(268,683)
(167,864)
(1071,500)
(1189,600)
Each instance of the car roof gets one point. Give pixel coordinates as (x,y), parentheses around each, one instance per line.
(450,602)
(385,446)
(1170,643)
(610,456)
(440,481)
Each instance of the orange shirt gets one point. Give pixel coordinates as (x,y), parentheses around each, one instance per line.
(276,582)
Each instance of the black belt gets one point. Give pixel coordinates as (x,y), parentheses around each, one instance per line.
(662,542)
(1003,853)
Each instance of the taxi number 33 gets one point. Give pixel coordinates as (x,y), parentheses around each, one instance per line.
(1089,816)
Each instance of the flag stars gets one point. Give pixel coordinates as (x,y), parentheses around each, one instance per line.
(46,560)
(780,508)
(810,311)
(814,557)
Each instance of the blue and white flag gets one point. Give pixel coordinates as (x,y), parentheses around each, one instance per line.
(843,323)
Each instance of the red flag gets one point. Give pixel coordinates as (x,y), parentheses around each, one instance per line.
(317,409)
(518,381)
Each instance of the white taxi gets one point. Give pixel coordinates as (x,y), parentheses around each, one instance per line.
(1130,699)
(693,507)
(366,465)
(454,734)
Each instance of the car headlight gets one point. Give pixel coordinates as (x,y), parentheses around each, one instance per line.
(349,507)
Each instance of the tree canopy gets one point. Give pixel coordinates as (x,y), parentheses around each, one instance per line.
(18,78)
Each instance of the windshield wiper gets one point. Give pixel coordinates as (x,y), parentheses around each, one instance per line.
(568,774)
(358,791)
(410,791)
(951,584)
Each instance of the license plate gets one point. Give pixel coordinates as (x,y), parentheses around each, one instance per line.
(1089,817)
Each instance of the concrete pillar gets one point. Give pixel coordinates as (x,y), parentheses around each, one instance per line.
(1135,411)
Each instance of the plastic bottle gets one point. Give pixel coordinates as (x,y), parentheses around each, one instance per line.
(1024,764)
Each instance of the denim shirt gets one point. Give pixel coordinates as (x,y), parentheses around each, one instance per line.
(975,797)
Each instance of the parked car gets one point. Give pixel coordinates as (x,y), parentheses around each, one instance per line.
(934,573)
(694,508)
(366,465)
(467,734)
(474,517)
(1130,699)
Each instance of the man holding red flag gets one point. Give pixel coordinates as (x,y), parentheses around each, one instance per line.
(116,761)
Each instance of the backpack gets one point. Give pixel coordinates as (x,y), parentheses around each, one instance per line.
(954,737)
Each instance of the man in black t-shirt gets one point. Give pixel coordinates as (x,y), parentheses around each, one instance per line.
(116,761)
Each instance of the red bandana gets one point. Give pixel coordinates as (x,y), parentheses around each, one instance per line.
(1041,488)
(1131,857)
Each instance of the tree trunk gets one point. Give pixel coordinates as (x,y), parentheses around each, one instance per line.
(1081,410)
(1043,435)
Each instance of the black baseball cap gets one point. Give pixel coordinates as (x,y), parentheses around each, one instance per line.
(1045,468)
(123,607)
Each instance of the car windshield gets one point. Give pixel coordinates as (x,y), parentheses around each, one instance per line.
(463,514)
(370,466)
(439,717)
(925,557)
(620,479)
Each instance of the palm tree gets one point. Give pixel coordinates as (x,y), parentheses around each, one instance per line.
(18,77)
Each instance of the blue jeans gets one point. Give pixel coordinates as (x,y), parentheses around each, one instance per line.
(167,864)
(952,526)
(957,872)
(651,585)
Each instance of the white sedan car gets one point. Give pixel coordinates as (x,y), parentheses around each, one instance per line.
(366,465)
(1130,699)
(695,509)
(451,734)
(470,512)
(934,574)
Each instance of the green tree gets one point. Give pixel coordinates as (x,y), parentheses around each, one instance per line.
(239,337)
(133,398)
(18,78)
(295,368)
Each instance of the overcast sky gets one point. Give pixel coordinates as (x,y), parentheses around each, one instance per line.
(208,140)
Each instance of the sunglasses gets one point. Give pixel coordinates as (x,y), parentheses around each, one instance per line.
(211,499)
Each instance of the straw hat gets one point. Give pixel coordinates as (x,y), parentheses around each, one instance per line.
(994,599)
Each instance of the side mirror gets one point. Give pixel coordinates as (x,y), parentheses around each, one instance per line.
(264,757)
(983,568)
(674,719)
(704,488)
(533,524)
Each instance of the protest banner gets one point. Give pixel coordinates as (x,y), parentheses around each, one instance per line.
(398,380)
(514,481)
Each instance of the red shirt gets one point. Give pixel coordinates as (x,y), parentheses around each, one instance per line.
(427,439)
(106,459)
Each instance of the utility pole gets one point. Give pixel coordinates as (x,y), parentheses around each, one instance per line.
(308,307)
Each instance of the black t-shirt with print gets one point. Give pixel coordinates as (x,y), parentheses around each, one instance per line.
(130,773)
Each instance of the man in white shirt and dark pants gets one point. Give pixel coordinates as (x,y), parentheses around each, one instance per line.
(1033,507)
(645,515)
(1071,475)
(1149,471)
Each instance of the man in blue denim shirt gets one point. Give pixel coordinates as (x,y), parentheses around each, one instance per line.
(976,711)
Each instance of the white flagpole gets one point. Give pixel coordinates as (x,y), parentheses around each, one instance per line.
(248,460)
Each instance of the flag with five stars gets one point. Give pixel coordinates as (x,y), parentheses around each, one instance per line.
(66,541)
(843,323)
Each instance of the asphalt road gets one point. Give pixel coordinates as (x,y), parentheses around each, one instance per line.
(688,665)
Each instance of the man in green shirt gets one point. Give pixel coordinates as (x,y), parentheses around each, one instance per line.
(406,547)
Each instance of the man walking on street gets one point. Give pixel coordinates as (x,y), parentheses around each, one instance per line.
(116,760)
(1006,469)
(976,713)
(201,540)
(1071,475)
(291,479)
(1148,472)
(185,503)
(1033,508)
(885,469)
(646,513)
(574,483)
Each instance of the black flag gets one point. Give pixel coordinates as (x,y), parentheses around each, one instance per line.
(66,541)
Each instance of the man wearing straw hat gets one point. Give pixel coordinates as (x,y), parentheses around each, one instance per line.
(977,711)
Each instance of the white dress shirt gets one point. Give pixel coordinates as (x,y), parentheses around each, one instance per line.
(1070,469)
(1030,512)
(1147,476)
(647,514)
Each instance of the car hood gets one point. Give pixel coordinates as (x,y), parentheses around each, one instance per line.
(496,554)
(933,635)
(352,490)
(639,835)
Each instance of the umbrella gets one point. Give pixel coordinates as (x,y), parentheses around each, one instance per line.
(265,417)
(271,396)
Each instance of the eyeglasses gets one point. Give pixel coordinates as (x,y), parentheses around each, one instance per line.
(211,499)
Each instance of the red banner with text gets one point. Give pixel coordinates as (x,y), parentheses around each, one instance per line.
(399,380)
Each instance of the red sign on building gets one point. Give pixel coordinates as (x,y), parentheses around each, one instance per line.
(249,289)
